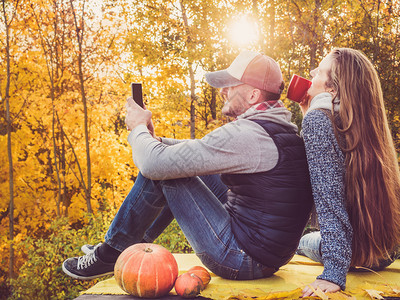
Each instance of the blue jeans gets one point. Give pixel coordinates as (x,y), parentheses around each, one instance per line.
(213,182)
(310,246)
(197,205)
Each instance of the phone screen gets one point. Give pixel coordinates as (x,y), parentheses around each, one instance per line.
(137,93)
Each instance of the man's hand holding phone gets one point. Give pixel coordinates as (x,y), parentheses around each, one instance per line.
(136,112)
(135,115)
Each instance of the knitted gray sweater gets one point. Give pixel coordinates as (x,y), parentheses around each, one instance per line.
(326,165)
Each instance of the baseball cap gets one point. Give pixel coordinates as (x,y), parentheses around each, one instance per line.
(252,68)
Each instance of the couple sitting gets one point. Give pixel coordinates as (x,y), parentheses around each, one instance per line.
(242,194)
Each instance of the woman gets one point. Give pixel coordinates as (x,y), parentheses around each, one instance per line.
(354,170)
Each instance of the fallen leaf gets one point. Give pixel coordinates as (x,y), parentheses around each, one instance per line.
(319,293)
(340,296)
(374,294)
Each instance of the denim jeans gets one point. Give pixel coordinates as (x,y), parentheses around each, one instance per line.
(213,182)
(310,246)
(197,205)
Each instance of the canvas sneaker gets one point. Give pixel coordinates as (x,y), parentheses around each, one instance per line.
(89,248)
(88,266)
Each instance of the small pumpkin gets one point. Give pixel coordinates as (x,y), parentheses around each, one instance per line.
(202,273)
(188,285)
(146,270)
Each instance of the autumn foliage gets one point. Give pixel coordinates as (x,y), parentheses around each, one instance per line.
(65,70)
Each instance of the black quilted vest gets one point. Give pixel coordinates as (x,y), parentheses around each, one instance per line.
(270,209)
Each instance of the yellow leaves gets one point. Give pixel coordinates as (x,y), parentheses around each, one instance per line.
(267,289)
(294,294)
(297,294)
(374,294)
(340,296)
(77,207)
(389,292)
(319,293)
(387,28)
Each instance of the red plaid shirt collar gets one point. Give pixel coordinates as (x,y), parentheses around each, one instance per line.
(269,104)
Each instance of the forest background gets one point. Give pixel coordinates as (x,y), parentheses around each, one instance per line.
(66,66)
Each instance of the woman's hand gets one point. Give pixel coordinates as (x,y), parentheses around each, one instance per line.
(305,104)
(324,285)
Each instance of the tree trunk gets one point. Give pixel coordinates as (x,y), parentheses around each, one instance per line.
(88,191)
(271,38)
(314,43)
(55,155)
(11,182)
(11,187)
(193,97)
(213,104)
(64,199)
(46,45)
(79,37)
(9,144)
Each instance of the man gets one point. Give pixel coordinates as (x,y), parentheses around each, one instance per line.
(242,224)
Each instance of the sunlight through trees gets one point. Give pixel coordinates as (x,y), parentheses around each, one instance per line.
(66,66)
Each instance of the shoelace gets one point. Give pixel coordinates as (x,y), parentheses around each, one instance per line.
(93,247)
(86,260)
(97,246)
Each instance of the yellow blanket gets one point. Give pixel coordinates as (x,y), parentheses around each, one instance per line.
(287,283)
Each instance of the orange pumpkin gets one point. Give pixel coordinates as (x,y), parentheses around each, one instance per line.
(146,270)
(202,273)
(188,285)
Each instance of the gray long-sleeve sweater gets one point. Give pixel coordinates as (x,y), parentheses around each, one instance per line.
(241,146)
(327,170)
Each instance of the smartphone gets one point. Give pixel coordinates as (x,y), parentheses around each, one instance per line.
(137,93)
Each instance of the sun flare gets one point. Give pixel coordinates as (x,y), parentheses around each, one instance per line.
(243,31)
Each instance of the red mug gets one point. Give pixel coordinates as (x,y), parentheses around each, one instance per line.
(298,88)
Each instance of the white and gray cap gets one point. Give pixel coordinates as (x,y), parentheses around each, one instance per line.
(252,68)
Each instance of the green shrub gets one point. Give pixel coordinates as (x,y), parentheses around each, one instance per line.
(41,276)
(174,240)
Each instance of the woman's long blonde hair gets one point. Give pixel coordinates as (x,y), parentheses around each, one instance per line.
(372,170)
